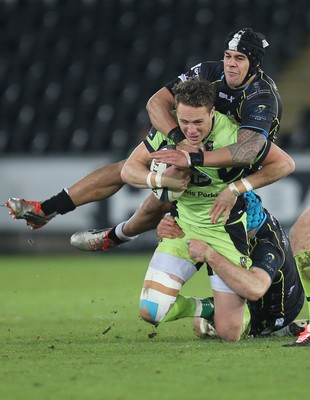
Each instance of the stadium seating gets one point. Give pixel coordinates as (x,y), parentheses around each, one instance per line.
(75,75)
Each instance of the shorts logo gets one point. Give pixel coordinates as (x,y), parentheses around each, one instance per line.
(243,261)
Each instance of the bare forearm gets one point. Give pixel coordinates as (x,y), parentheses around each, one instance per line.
(241,153)
(240,280)
(247,148)
(160,109)
(277,165)
(250,284)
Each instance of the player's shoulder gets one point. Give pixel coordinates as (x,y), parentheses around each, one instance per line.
(263,84)
(224,131)
(155,140)
(213,69)
(210,70)
(222,120)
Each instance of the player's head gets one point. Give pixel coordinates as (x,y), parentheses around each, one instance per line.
(195,92)
(250,43)
(255,212)
(194,103)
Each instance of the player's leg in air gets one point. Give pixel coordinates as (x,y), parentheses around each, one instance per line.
(300,242)
(98,185)
(146,218)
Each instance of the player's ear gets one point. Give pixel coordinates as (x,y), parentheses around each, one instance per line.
(212,112)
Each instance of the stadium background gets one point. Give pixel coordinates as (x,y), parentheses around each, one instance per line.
(74,80)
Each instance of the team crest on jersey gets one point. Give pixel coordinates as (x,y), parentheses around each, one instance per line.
(269,258)
(199,178)
(259,113)
(260,108)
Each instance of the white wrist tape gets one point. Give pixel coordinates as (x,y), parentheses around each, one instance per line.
(158,183)
(149,180)
(247,184)
(234,189)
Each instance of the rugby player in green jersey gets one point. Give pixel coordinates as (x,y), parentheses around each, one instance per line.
(171,265)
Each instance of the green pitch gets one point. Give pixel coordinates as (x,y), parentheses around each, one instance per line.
(70,329)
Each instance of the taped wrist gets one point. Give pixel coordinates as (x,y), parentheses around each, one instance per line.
(197,159)
(176,135)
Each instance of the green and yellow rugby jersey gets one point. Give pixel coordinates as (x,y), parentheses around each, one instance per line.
(206,182)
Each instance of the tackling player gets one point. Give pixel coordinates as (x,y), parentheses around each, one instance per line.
(244,92)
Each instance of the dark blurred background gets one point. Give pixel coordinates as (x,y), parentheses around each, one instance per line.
(75,76)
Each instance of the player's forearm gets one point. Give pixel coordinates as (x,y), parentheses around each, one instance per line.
(277,165)
(160,109)
(237,278)
(242,153)
(137,176)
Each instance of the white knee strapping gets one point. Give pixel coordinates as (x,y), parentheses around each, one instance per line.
(219,285)
(158,303)
(161,277)
(177,266)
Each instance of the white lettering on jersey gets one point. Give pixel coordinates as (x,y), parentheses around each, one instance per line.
(225,96)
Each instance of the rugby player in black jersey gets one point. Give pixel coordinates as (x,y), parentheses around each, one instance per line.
(272,285)
(245,93)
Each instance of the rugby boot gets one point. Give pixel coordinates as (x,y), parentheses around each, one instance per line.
(303,339)
(203,328)
(295,328)
(30,211)
(93,240)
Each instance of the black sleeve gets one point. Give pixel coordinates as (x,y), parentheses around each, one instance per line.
(259,112)
(267,257)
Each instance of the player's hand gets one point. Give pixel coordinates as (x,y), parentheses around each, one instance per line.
(186,146)
(176,179)
(223,204)
(178,158)
(168,228)
(200,251)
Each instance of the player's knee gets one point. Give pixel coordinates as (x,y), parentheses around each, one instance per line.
(228,332)
(229,335)
(158,295)
(154,311)
(146,312)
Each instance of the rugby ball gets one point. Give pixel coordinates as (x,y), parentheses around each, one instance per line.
(164,194)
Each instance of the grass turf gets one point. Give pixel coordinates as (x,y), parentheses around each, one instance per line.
(69,329)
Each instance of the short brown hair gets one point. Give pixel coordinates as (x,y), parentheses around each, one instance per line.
(195,92)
